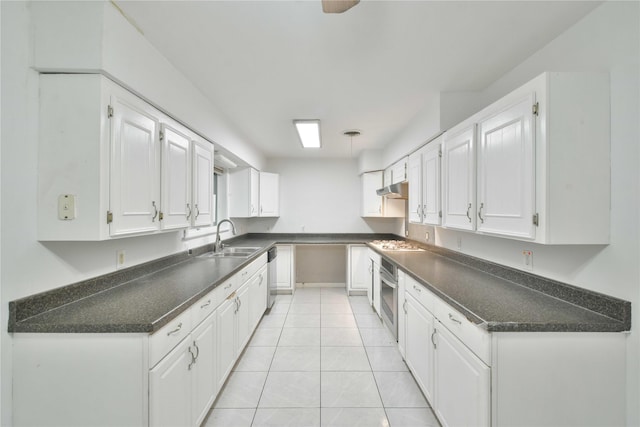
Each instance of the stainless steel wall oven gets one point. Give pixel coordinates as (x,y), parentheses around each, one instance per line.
(389,295)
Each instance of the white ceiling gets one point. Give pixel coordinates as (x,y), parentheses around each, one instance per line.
(373,68)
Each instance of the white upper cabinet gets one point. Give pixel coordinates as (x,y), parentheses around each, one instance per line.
(135,167)
(269,194)
(458,178)
(431,209)
(377,206)
(176,178)
(371,202)
(543,163)
(126,167)
(415,187)
(399,171)
(247,195)
(387,177)
(424,184)
(202,178)
(505,162)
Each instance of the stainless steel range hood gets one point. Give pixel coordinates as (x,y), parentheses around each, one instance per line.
(395,191)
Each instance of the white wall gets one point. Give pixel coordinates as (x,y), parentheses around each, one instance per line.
(29,266)
(320,196)
(606,39)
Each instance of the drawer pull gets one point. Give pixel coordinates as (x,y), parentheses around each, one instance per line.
(417,288)
(453,319)
(228,286)
(206,304)
(176,330)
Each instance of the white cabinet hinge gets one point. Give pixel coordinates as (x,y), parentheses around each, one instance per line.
(440,214)
(535,219)
(109,111)
(109,217)
(161,135)
(440,152)
(535,109)
(160,216)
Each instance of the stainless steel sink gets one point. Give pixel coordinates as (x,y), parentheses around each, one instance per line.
(233,252)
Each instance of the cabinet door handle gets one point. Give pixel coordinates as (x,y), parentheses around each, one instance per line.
(453,319)
(155,214)
(433,340)
(417,288)
(424,209)
(469,210)
(480,213)
(206,304)
(176,330)
(261,208)
(197,211)
(404,306)
(261,280)
(239,303)
(189,209)
(193,359)
(418,210)
(379,209)
(195,344)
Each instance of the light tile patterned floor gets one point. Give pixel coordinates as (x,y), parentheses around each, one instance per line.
(321,358)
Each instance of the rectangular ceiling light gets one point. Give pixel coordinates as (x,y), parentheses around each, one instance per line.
(309,132)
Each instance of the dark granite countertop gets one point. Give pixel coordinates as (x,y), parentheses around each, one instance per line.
(144,298)
(500,305)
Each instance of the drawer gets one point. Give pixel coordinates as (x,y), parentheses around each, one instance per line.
(419,292)
(225,289)
(477,339)
(170,335)
(205,306)
(247,272)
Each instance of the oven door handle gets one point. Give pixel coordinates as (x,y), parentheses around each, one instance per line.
(388,280)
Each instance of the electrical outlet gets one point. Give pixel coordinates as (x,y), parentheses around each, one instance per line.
(459,243)
(120,258)
(527,259)
(426,236)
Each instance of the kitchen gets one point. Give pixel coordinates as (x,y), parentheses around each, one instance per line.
(611,269)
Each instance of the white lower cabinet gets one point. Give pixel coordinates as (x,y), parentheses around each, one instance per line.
(475,378)
(168,378)
(375,275)
(402,324)
(358,269)
(419,350)
(462,382)
(182,386)
(285,280)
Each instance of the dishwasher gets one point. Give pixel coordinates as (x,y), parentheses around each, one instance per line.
(272,276)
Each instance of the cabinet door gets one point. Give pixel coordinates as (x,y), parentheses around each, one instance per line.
(431,184)
(371,202)
(254,192)
(419,349)
(170,388)
(402,313)
(135,169)
(203,372)
(226,339)
(415,187)
(376,287)
(458,177)
(506,181)
(269,194)
(284,267)
(399,171)
(258,296)
(244,326)
(358,267)
(462,383)
(387,176)
(176,178)
(203,214)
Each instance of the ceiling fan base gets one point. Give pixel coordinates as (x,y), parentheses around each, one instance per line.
(338,6)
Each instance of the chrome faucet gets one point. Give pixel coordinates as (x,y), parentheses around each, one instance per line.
(218,245)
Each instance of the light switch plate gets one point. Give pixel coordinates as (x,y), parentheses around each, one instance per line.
(66,207)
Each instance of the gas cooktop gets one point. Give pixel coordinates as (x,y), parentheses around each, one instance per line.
(396,245)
